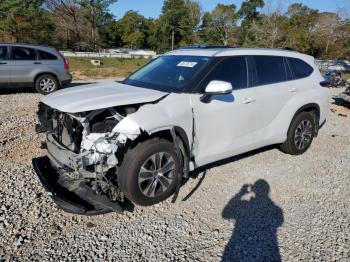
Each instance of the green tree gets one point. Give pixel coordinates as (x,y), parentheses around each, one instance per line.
(224,19)
(22,21)
(156,39)
(189,24)
(250,15)
(133,29)
(302,21)
(249,11)
(110,35)
(178,23)
(206,32)
(220,26)
(268,32)
(97,14)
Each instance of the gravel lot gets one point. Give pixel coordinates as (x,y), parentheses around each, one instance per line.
(305,216)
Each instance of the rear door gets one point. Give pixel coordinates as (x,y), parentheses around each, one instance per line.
(23,66)
(273,88)
(48,60)
(5,77)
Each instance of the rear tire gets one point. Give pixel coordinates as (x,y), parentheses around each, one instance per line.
(141,175)
(46,84)
(300,134)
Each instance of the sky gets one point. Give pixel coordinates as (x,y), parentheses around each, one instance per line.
(152,8)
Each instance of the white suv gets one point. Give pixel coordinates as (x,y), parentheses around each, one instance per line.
(138,139)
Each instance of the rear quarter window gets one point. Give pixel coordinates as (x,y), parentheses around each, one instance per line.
(300,68)
(270,70)
(46,56)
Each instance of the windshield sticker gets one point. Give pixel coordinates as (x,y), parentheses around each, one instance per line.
(187,64)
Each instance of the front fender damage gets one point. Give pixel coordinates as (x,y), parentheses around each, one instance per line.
(85,149)
(102,148)
(82,178)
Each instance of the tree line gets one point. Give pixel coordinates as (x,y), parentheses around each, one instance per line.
(88,25)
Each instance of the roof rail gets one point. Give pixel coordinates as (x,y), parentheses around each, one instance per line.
(204,46)
(289,49)
(25,44)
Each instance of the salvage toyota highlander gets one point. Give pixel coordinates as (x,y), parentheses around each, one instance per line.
(136,140)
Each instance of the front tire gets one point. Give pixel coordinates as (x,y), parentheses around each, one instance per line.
(149,172)
(46,84)
(300,134)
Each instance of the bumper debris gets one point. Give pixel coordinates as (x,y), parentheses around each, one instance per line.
(72,196)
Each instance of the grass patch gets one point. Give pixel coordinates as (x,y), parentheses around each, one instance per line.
(82,69)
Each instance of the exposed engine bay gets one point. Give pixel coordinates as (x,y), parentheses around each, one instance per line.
(83,149)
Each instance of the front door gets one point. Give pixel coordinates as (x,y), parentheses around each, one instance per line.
(5,77)
(224,127)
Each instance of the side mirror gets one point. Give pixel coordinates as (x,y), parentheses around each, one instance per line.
(216,88)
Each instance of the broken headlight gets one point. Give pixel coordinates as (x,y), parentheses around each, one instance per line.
(104,126)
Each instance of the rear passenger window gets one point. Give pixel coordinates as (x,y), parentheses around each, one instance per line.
(300,68)
(23,53)
(46,56)
(3,52)
(231,69)
(270,69)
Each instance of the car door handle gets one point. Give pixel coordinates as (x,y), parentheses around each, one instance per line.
(248,100)
(37,63)
(293,90)
(3,63)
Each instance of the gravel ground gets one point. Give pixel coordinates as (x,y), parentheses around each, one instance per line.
(304,216)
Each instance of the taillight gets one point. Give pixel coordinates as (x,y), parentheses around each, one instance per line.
(66,64)
(65,61)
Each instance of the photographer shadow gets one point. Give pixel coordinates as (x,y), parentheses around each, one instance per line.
(257,219)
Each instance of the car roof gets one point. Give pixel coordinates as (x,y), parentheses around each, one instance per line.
(44,47)
(227,51)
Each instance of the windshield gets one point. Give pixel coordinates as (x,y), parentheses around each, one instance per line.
(168,73)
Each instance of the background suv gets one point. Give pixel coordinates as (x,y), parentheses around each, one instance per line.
(33,66)
(138,139)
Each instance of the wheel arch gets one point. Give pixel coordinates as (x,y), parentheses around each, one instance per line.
(308,108)
(313,108)
(46,73)
(180,133)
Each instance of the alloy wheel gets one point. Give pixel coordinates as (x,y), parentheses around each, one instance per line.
(47,85)
(303,134)
(156,174)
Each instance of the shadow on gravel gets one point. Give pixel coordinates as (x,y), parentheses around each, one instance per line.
(11,91)
(257,219)
(203,170)
(340,102)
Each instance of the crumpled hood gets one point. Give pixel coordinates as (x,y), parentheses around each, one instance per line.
(99,95)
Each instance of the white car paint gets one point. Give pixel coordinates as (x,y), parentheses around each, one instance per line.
(218,86)
(101,95)
(229,125)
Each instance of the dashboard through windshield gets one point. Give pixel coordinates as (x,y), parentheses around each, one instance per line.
(168,73)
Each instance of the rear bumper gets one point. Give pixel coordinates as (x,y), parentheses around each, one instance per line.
(73,196)
(66,79)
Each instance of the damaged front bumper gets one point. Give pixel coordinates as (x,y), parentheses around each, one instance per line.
(80,169)
(72,196)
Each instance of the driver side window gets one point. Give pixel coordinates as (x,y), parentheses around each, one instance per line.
(230,69)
